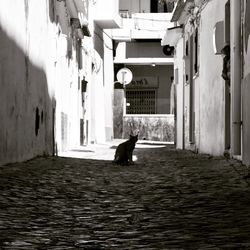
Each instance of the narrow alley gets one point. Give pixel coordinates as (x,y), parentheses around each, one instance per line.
(169,199)
(78,77)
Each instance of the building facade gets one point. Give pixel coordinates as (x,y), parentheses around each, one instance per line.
(56,76)
(211,76)
(99,71)
(143,105)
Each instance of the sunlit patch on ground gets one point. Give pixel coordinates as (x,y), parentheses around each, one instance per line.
(107,151)
(149,146)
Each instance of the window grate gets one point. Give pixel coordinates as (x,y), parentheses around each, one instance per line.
(140,102)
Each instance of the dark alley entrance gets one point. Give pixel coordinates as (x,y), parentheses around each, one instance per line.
(169,199)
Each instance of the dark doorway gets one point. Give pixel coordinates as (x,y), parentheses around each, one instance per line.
(81,132)
(227,84)
(154,6)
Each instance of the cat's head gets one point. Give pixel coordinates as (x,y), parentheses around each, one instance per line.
(133,138)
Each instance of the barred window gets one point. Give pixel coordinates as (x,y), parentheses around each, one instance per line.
(140,101)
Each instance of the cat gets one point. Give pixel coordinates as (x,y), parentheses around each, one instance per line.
(124,151)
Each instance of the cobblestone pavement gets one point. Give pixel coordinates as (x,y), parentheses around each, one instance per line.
(169,199)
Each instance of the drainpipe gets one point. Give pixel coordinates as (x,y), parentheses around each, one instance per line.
(235,44)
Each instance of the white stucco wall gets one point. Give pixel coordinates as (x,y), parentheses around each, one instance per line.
(246,88)
(108,84)
(178,64)
(211,84)
(107,9)
(100,72)
(101,88)
(27,87)
(97,125)
(38,73)
(68,78)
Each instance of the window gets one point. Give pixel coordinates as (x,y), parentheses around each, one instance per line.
(187,61)
(227,22)
(140,101)
(196,51)
(186,48)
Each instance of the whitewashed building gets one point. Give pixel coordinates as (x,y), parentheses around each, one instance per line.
(211,76)
(56,76)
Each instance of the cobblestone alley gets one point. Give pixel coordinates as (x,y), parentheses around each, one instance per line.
(169,199)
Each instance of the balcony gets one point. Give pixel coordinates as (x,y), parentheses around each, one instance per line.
(142,26)
(150,25)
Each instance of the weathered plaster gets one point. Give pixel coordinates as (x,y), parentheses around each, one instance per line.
(26,102)
(179,94)
(118,112)
(246,120)
(211,89)
(246,90)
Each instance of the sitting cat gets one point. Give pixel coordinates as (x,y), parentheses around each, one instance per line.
(124,151)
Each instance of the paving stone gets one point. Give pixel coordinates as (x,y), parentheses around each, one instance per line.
(170,199)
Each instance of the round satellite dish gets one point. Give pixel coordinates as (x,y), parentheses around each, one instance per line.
(124,76)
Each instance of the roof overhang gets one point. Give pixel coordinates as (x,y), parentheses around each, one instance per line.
(112,22)
(172,36)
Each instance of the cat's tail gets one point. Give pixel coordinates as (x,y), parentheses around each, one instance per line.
(116,159)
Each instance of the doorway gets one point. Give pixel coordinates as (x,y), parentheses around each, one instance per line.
(227,84)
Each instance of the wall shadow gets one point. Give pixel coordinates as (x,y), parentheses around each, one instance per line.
(26,108)
(98,40)
(247,25)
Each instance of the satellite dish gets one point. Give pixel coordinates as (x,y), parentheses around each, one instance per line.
(124,76)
